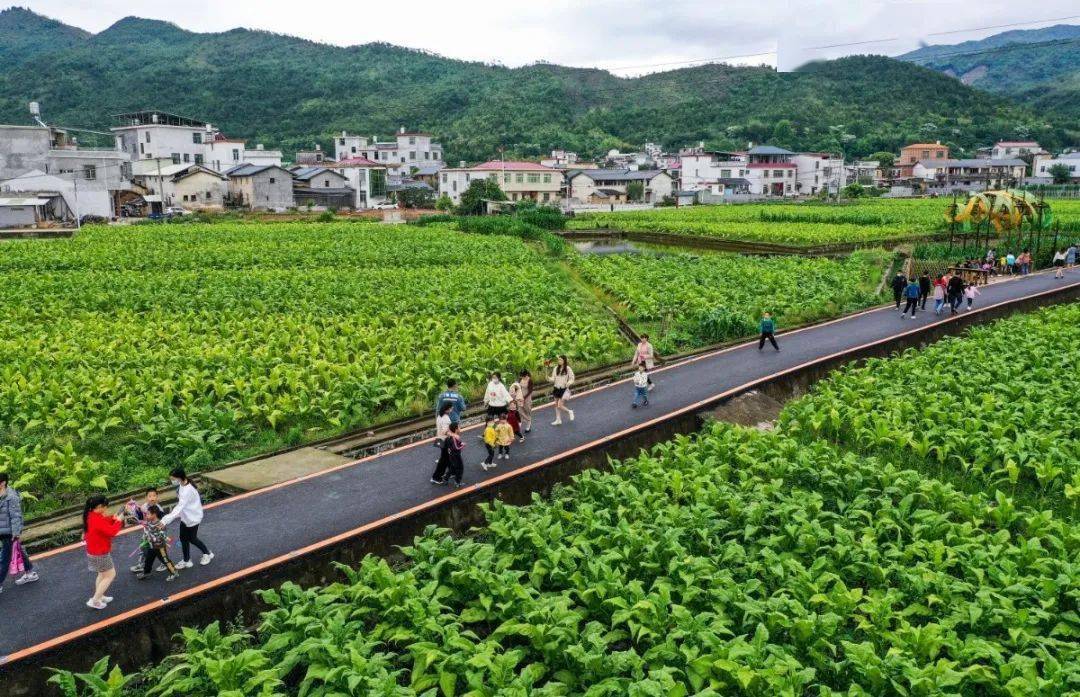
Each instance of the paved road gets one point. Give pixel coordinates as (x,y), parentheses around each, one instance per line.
(261,526)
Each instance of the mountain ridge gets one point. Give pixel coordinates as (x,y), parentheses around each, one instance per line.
(290,92)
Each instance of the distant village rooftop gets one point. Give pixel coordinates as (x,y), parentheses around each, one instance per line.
(153,117)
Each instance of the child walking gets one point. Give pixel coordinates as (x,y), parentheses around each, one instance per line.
(513,418)
(491,438)
(504,436)
(970,291)
(156,543)
(641,387)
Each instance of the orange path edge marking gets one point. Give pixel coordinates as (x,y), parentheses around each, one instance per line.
(465,491)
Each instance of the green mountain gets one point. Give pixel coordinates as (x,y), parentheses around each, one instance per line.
(1036,67)
(24,35)
(289,92)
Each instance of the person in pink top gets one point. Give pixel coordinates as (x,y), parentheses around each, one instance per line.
(646,356)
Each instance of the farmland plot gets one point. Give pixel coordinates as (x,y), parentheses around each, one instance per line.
(732,563)
(998,407)
(124,352)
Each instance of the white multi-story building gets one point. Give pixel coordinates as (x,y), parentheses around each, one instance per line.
(818,171)
(407,149)
(520,181)
(222,153)
(366,177)
(700,168)
(1043,164)
(262,157)
(145,135)
(1004,149)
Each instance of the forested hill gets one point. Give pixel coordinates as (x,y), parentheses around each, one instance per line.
(1037,67)
(287,92)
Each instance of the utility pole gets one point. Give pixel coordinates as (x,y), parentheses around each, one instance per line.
(75,185)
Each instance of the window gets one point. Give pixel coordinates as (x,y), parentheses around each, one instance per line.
(519,178)
(208,196)
(272,180)
(778,173)
(547,180)
(326,183)
(453,186)
(534,178)
(176,158)
(412,140)
(427,155)
(940,154)
(725,174)
(547,197)
(434,155)
(341,141)
(354,149)
(925,154)
(493,176)
(148,136)
(187,157)
(412,155)
(236,155)
(506,179)
(89,172)
(402,158)
(444,178)
(196,137)
(141,149)
(198,159)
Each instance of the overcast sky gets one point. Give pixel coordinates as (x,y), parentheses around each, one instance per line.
(626,36)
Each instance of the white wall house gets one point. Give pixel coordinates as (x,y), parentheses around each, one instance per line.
(771,171)
(1043,163)
(818,171)
(407,148)
(700,167)
(197,188)
(145,135)
(367,177)
(520,181)
(971,174)
(262,157)
(223,153)
(598,185)
(1004,149)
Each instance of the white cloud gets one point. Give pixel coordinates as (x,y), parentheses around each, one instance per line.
(636,35)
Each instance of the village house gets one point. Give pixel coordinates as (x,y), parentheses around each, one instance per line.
(367,178)
(1044,163)
(322,187)
(606,186)
(408,148)
(520,181)
(903,167)
(944,176)
(1004,149)
(699,168)
(771,171)
(258,187)
(817,172)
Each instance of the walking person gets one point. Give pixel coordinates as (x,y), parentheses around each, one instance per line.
(1070,256)
(1059,264)
(504,437)
(1025,262)
(450,464)
(970,291)
(924,289)
(767,327)
(189,510)
(645,355)
(939,294)
(954,291)
(496,396)
(899,283)
(562,377)
(517,401)
(451,396)
(525,381)
(442,425)
(156,544)
(11,527)
(99,529)
(912,293)
(1010,263)
(641,387)
(490,438)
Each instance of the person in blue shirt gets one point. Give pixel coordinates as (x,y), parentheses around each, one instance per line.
(912,293)
(451,396)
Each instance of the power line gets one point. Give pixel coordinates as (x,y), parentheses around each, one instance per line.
(1004,26)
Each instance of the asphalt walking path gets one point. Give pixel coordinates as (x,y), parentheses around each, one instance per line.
(260,527)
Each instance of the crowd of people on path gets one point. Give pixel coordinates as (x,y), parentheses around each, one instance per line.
(946,289)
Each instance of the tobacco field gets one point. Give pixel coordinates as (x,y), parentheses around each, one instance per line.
(732,563)
(998,407)
(126,351)
(687,299)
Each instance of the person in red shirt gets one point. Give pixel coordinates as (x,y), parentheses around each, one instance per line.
(99,529)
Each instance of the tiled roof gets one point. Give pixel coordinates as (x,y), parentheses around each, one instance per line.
(768,150)
(611,175)
(246,170)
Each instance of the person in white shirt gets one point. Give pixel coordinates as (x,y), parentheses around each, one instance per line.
(189,510)
(496,397)
(641,387)
(562,377)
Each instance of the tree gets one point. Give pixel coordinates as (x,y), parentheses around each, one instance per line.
(853,190)
(635,191)
(1060,173)
(419,197)
(444,203)
(885,160)
(479,191)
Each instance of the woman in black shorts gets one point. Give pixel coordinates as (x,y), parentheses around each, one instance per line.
(562,377)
